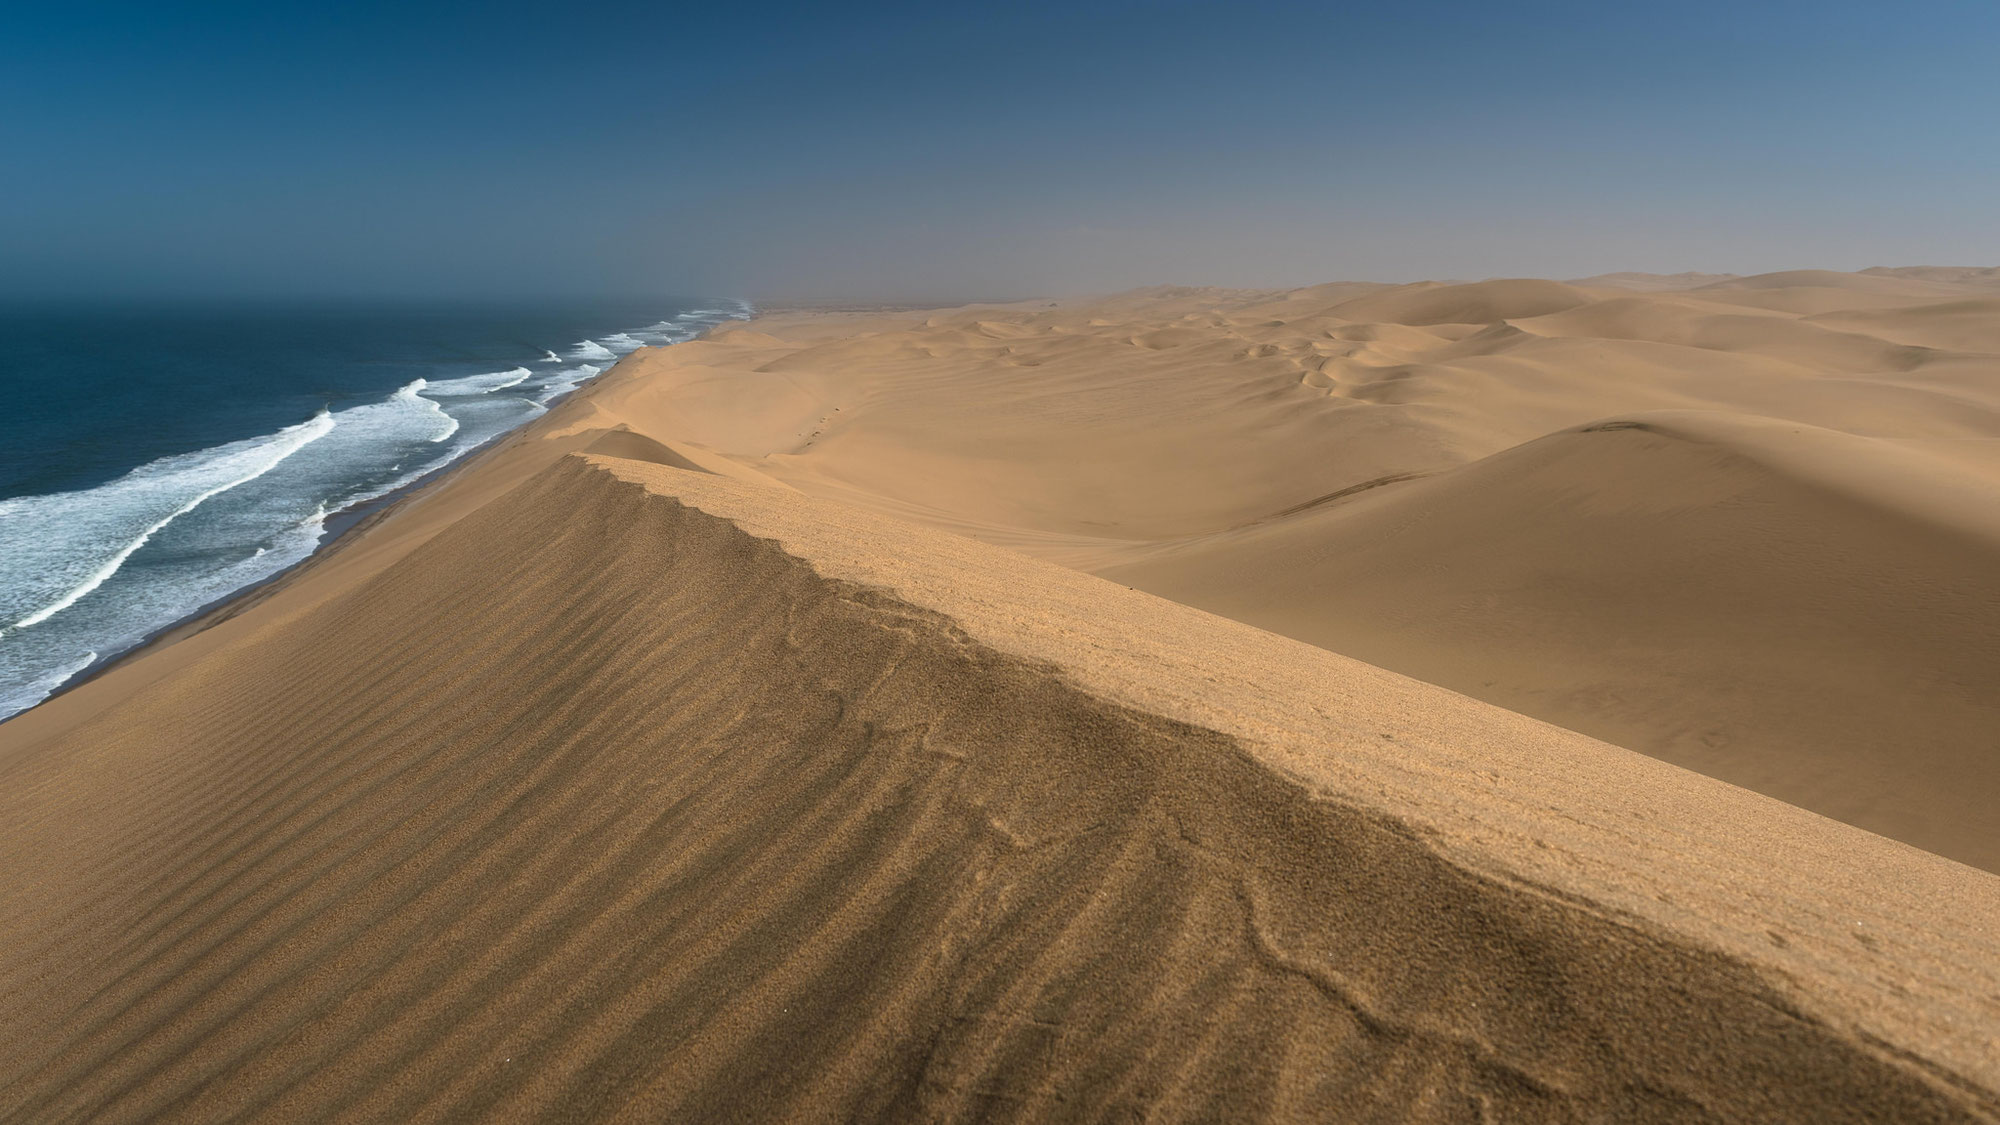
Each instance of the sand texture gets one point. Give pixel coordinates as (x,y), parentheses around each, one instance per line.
(720,749)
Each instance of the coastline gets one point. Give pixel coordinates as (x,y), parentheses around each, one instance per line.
(341,528)
(581,774)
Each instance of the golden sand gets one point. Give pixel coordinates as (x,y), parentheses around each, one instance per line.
(704,752)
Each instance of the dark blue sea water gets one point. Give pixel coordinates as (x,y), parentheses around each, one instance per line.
(156,458)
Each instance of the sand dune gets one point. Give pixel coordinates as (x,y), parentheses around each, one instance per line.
(1957,275)
(1815,344)
(1652,282)
(1477,303)
(1968,326)
(1809,614)
(1270,456)
(715,749)
(645,792)
(1878,284)
(1806,292)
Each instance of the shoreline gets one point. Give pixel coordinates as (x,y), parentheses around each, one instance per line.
(342,528)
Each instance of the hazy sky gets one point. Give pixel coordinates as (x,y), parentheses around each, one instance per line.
(994,149)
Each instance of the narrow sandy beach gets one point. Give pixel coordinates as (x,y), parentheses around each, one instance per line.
(1034,712)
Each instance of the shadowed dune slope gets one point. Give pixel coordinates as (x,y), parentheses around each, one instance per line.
(1957,275)
(1652,282)
(1972,326)
(1481,302)
(1807,613)
(650,794)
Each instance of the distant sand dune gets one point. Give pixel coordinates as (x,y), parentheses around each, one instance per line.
(1879,283)
(1653,282)
(1477,303)
(1968,326)
(1773,605)
(1805,292)
(1957,275)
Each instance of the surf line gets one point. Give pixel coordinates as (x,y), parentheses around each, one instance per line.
(313,430)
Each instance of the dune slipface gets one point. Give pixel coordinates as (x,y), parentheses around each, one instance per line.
(645,793)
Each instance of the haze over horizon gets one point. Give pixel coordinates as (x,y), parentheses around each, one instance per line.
(898,150)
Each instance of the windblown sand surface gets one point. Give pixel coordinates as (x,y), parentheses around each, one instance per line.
(701,753)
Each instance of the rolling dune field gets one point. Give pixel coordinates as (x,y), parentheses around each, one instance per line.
(1518,700)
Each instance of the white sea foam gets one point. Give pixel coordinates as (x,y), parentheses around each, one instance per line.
(549,357)
(379,447)
(623,341)
(744,310)
(412,393)
(75,541)
(663,333)
(478,384)
(20,697)
(591,349)
(565,381)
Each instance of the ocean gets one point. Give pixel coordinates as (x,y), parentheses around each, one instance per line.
(155,459)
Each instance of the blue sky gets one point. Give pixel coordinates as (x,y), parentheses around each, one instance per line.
(891,150)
